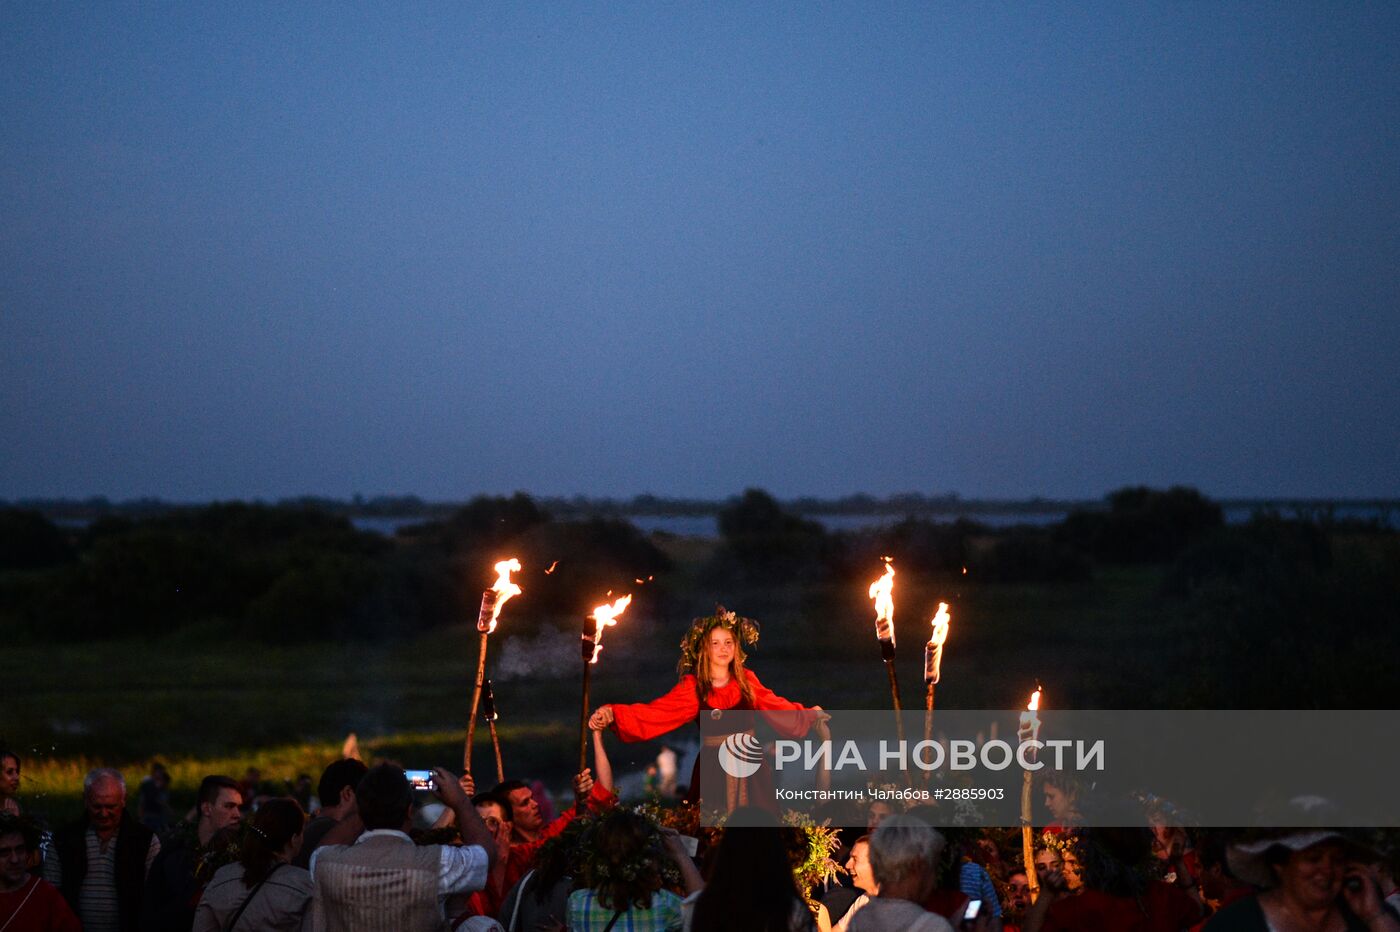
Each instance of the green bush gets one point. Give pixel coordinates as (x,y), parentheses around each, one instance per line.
(482,523)
(916,545)
(591,558)
(1142,525)
(1292,617)
(762,543)
(231,563)
(325,596)
(28,540)
(1030,555)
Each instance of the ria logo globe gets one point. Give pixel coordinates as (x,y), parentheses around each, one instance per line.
(741,755)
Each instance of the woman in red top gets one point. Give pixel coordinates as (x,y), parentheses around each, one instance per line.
(714,679)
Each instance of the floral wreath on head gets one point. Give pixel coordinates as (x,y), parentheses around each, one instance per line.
(649,863)
(745,631)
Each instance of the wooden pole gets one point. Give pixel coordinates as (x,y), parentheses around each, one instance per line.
(583,720)
(1028,836)
(894,695)
(887,652)
(590,638)
(496,743)
(476,700)
(929,690)
(488,712)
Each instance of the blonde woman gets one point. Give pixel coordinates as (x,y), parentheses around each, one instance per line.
(714,679)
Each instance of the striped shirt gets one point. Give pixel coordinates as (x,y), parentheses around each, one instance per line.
(384,871)
(974,880)
(97,899)
(463,868)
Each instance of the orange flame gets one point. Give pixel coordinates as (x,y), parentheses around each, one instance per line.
(495,598)
(933,650)
(606,616)
(940,625)
(1029,718)
(882,591)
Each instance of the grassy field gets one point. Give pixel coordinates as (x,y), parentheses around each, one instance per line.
(217,707)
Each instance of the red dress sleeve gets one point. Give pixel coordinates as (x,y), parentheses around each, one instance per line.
(794,724)
(645,720)
(766,700)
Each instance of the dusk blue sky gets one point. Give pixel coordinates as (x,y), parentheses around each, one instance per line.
(261,250)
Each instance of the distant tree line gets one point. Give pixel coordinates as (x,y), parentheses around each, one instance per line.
(1275,612)
(762,542)
(905,504)
(289,573)
(1277,605)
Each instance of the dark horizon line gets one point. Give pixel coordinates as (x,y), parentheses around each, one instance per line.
(908,502)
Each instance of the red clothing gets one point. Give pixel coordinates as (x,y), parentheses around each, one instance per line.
(1163,908)
(45,910)
(488,901)
(478,904)
(522,855)
(950,904)
(643,721)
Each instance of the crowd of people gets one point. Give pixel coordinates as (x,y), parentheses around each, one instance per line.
(375,854)
(369,851)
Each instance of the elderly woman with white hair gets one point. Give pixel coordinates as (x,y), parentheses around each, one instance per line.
(904,854)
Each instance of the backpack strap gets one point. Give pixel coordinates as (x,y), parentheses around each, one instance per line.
(249,898)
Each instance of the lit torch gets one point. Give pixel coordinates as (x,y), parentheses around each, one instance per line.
(488,712)
(882,591)
(492,601)
(593,626)
(1029,731)
(933,662)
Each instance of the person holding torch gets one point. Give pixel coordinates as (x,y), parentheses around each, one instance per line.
(714,679)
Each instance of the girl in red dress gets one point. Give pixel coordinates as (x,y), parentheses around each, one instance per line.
(714,679)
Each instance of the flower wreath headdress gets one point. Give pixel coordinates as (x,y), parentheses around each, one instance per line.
(745,631)
(649,861)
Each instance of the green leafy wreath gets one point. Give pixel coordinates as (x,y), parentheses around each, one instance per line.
(745,631)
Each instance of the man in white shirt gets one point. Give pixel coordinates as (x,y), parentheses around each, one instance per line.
(858,866)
